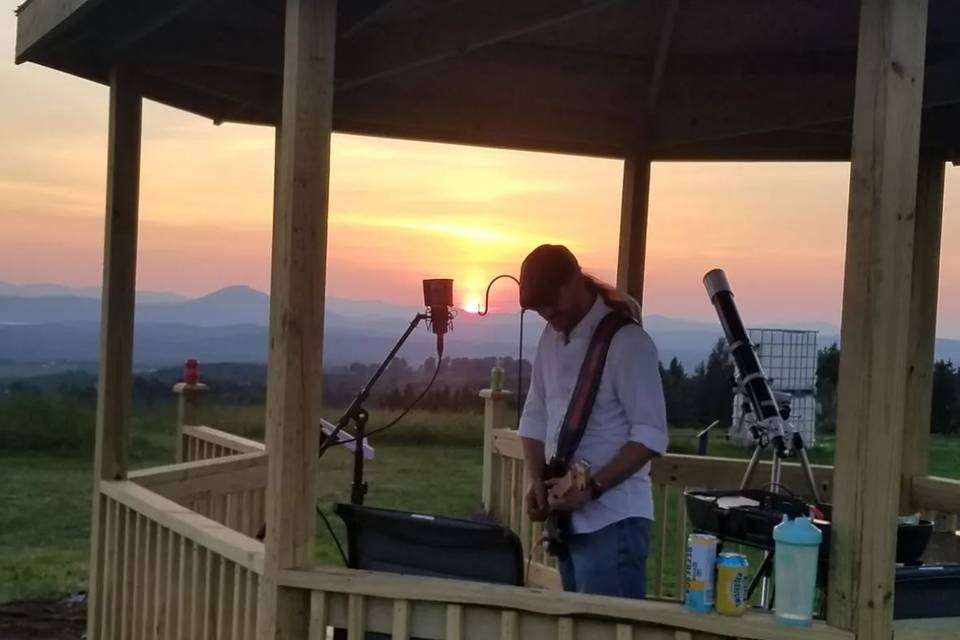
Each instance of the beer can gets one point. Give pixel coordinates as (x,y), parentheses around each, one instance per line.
(732,584)
(701,562)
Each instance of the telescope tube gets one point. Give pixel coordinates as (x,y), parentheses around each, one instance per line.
(752,378)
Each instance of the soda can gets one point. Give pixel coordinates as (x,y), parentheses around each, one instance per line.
(732,584)
(701,562)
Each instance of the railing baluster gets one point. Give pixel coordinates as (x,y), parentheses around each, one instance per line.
(149,578)
(565,629)
(139,523)
(624,632)
(160,584)
(401,620)
(509,625)
(211,570)
(355,617)
(454,622)
(318,615)
(517,496)
(198,579)
(681,544)
(183,592)
(236,611)
(250,610)
(660,516)
(109,561)
(225,600)
(665,540)
(506,482)
(173,569)
(127,587)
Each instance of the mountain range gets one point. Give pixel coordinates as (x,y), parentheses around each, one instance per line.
(49,326)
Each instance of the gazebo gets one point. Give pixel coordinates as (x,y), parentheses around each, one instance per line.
(875,83)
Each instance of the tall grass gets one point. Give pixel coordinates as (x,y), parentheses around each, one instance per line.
(40,424)
(37,423)
(417,427)
(57,426)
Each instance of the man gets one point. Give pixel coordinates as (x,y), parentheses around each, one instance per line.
(610,518)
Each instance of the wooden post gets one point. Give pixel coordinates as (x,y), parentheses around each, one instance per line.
(188,405)
(633,225)
(495,406)
(924,290)
(297,291)
(115,377)
(876,313)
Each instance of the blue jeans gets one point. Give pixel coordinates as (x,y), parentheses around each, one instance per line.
(610,562)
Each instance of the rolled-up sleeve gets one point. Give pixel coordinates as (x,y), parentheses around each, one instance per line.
(533,421)
(639,388)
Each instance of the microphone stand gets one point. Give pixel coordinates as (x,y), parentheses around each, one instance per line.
(358,415)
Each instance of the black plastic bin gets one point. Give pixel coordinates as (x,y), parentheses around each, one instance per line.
(428,545)
(927,591)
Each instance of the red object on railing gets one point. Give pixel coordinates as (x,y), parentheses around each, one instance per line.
(191,371)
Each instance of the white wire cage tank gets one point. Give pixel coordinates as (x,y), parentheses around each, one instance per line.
(789,359)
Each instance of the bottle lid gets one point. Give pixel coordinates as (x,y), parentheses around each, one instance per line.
(800,531)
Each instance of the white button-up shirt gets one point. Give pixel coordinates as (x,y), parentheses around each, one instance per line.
(629,407)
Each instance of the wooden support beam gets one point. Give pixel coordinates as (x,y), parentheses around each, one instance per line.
(115,378)
(360,13)
(297,293)
(663,51)
(634,209)
(42,21)
(146,27)
(924,288)
(461,29)
(876,313)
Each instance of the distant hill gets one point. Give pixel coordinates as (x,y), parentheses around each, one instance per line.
(42,334)
(46,290)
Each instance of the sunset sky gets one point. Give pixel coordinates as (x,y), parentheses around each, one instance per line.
(403,211)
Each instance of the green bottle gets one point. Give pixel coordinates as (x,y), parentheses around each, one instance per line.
(496,377)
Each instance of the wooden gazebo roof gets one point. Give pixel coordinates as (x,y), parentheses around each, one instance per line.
(872,81)
(701,79)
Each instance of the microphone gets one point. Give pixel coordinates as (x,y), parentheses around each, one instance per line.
(438,298)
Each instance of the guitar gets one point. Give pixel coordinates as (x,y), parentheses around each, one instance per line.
(556,527)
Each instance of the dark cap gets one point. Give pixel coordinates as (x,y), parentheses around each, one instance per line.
(542,274)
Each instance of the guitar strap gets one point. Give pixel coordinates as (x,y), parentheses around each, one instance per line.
(585,392)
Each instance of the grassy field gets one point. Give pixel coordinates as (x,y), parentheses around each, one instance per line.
(45,492)
(430,463)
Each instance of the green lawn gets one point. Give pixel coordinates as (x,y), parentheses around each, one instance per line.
(45,503)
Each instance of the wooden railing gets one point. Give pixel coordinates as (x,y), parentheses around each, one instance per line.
(204,443)
(670,476)
(228,490)
(169,573)
(434,609)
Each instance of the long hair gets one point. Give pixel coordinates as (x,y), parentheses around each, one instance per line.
(613,297)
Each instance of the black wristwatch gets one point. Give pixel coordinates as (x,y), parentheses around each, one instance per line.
(596,489)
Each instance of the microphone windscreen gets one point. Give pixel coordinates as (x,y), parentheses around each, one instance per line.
(438,292)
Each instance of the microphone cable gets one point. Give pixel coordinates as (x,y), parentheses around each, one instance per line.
(402,414)
(333,534)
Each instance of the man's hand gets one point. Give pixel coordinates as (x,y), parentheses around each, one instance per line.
(574,498)
(537,506)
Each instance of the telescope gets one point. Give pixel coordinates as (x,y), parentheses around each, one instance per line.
(770,413)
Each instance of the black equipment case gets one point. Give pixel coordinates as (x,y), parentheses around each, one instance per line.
(927,591)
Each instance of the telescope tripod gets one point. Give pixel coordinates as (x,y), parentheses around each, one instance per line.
(761,434)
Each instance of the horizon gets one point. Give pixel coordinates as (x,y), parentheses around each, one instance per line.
(401,211)
(74,292)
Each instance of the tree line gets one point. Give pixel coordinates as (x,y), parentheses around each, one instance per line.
(693,399)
